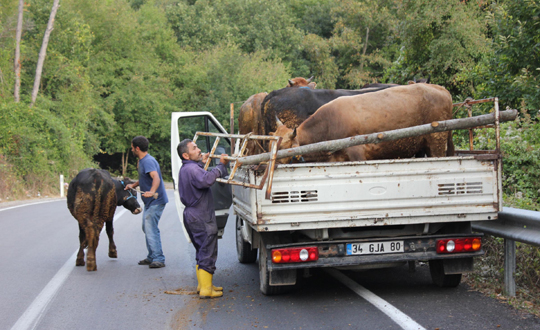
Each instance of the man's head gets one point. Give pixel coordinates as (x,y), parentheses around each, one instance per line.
(188,150)
(139,145)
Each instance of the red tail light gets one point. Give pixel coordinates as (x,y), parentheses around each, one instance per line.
(457,245)
(302,254)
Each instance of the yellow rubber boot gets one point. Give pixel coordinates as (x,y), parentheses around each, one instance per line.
(216,288)
(207,290)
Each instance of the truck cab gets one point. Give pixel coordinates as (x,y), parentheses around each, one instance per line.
(183,126)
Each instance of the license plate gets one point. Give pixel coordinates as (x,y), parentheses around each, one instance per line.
(375,248)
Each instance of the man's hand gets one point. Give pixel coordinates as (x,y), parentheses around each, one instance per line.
(223,160)
(147,194)
(130,186)
(205,157)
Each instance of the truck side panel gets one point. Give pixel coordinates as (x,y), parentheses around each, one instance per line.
(372,193)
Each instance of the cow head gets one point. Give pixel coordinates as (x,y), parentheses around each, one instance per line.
(127,198)
(289,139)
(302,82)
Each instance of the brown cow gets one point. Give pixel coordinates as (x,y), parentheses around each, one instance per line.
(92,199)
(389,109)
(250,120)
(301,82)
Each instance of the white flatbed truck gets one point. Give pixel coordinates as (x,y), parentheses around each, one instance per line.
(358,215)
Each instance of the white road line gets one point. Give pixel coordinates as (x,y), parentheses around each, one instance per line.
(14,207)
(30,318)
(395,314)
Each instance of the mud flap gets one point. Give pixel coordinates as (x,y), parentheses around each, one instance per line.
(283,277)
(458,266)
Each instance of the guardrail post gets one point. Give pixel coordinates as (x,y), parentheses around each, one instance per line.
(61,185)
(509,267)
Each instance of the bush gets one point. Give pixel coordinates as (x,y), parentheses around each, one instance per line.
(489,273)
(35,147)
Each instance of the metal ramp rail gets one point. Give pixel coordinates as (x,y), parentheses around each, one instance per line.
(244,138)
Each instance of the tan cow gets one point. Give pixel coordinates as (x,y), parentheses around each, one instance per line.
(389,109)
(301,82)
(250,118)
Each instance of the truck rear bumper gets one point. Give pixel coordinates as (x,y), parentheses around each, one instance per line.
(334,254)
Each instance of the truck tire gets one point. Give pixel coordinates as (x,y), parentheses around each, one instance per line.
(439,278)
(264,276)
(246,255)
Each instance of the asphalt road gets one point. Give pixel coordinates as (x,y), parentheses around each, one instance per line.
(40,287)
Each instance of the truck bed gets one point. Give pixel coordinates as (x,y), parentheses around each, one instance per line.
(371,193)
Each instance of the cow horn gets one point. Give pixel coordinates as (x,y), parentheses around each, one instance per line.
(291,83)
(309,80)
(278,122)
(293,135)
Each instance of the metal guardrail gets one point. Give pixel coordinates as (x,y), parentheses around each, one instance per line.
(512,225)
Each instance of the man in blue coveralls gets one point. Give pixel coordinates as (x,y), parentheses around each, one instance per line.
(199,215)
(151,182)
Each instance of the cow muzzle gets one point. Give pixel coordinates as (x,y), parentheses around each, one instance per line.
(137,210)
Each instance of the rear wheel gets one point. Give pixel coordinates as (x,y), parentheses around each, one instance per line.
(264,276)
(246,255)
(439,278)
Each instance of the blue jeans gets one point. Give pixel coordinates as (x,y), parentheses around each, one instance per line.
(150,228)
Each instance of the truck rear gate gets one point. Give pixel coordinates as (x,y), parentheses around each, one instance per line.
(371,193)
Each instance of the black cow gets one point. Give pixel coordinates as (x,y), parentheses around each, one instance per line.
(294,105)
(92,199)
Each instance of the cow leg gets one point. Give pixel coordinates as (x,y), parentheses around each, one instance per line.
(355,153)
(437,144)
(110,232)
(82,245)
(92,234)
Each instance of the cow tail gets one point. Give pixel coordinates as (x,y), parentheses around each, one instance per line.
(450,151)
(97,201)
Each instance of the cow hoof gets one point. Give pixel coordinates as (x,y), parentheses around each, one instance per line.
(79,262)
(91,265)
(113,254)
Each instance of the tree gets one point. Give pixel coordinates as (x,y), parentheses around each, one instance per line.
(17,64)
(43,51)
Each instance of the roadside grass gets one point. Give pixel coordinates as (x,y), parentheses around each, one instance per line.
(12,188)
(488,277)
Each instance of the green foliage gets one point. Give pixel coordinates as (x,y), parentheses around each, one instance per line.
(318,58)
(116,69)
(520,142)
(8,23)
(254,25)
(440,39)
(512,71)
(225,75)
(361,37)
(38,144)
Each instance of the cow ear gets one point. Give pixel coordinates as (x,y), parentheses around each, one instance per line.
(293,134)
(312,85)
(291,83)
